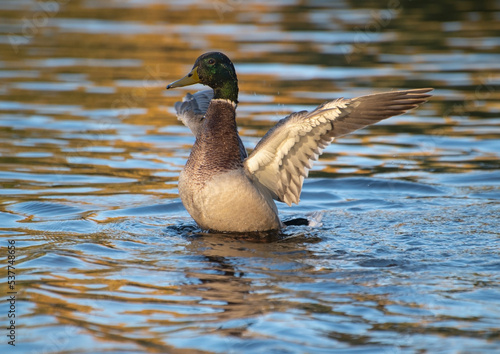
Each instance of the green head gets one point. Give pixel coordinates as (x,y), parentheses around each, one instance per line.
(215,70)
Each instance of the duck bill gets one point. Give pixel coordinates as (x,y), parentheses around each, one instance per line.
(190,79)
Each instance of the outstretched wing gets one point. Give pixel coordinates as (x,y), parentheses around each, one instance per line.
(282,159)
(191,112)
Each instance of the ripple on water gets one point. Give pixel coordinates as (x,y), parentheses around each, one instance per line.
(406,256)
(374,186)
(150,210)
(46,209)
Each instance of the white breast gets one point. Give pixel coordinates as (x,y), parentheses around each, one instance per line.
(230,202)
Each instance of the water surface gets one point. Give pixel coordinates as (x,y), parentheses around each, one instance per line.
(406,257)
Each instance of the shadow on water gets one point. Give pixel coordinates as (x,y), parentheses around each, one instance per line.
(297,229)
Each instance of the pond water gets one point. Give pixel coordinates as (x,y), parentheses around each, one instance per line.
(107,260)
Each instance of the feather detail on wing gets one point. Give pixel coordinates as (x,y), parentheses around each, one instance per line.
(191,111)
(282,159)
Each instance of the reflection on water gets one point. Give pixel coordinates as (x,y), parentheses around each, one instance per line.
(405,258)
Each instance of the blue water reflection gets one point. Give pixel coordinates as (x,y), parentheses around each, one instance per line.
(403,257)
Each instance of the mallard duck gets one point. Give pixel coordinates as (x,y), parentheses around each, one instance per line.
(226,191)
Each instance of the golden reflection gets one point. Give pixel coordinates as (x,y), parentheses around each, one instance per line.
(86,122)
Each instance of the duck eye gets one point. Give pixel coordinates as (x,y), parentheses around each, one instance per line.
(211,61)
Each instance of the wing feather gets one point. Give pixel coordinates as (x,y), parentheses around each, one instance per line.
(284,156)
(191,112)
